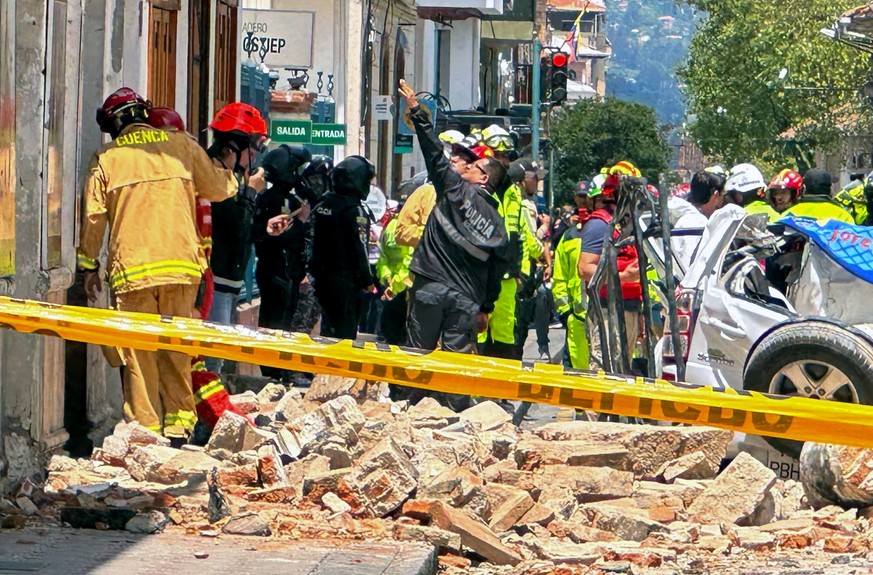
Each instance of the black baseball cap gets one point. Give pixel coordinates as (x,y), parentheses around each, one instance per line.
(818,182)
(518,168)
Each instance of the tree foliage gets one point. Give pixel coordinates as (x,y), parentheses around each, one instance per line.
(592,134)
(649,39)
(741,108)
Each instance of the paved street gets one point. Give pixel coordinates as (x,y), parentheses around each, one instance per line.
(58,551)
(541,413)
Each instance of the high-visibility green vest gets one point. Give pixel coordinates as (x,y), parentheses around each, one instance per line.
(820,208)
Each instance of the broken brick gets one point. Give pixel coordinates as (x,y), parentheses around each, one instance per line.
(475,535)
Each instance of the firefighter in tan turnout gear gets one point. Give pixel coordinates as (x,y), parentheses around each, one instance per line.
(143,186)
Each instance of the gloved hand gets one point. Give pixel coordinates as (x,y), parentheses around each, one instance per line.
(93,285)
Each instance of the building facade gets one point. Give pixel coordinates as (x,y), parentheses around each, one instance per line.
(337,63)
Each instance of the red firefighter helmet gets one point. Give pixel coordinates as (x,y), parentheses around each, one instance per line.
(788,180)
(166,118)
(123,100)
(613,178)
(239,117)
(240,121)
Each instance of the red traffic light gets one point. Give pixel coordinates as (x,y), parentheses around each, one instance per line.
(559,60)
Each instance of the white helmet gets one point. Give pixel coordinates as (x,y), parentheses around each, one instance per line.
(451,137)
(744,178)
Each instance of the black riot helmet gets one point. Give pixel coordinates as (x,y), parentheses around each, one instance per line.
(316,176)
(285,165)
(352,177)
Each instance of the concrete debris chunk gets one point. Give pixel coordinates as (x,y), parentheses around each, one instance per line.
(587,483)
(136,434)
(837,475)
(147,523)
(488,415)
(271,393)
(689,466)
(649,446)
(430,413)
(168,466)
(566,552)
(232,434)
(288,408)
(435,536)
(621,517)
(457,486)
(346,463)
(538,514)
(270,471)
(735,494)
(384,478)
(247,524)
(475,535)
(535,453)
(507,505)
(327,387)
(334,503)
(751,538)
(246,402)
(338,419)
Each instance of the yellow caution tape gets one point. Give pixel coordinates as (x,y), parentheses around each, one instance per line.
(750,412)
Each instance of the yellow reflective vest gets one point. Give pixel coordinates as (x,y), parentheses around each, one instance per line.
(392,268)
(852,198)
(762,207)
(820,208)
(567,286)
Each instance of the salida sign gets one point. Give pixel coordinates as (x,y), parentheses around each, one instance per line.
(307,132)
(278,38)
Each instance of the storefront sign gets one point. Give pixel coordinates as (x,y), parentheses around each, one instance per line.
(291,131)
(329,134)
(306,132)
(277,38)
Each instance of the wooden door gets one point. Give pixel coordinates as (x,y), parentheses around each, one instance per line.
(198,69)
(162,56)
(226,62)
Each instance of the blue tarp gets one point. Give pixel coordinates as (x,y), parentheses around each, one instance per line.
(849,245)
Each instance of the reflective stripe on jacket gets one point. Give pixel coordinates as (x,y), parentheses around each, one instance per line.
(144,187)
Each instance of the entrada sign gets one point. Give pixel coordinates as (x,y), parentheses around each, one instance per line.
(306,132)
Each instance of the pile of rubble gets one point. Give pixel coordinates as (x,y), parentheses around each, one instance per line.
(344,462)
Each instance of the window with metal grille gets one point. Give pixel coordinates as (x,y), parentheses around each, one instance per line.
(162,54)
(226,61)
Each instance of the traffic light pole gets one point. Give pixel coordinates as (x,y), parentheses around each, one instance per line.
(535,92)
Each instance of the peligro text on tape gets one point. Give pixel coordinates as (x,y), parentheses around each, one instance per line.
(750,412)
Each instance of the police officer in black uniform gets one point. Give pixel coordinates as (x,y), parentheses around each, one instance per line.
(281,258)
(339,250)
